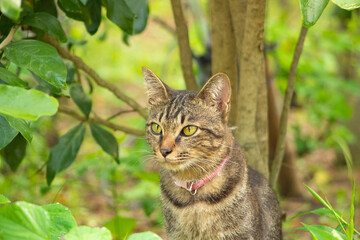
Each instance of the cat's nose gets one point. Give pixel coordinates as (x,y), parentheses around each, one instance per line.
(165,151)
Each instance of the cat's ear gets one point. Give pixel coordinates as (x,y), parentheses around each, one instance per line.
(157,90)
(217,92)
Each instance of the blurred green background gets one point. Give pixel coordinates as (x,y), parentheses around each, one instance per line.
(326,106)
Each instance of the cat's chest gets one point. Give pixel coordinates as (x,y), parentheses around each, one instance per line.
(199,221)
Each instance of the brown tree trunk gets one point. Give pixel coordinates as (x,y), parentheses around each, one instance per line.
(223,54)
(252,132)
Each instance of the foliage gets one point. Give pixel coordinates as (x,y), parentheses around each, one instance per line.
(22,220)
(345,229)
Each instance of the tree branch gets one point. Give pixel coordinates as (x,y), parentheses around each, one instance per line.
(101,121)
(80,64)
(9,37)
(184,45)
(280,146)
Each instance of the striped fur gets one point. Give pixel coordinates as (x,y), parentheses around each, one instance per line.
(236,204)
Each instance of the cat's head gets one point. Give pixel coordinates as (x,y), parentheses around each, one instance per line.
(187,129)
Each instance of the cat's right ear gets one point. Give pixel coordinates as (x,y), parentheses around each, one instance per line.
(158,91)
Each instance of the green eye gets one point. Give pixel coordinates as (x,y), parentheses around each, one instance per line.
(156,129)
(189,130)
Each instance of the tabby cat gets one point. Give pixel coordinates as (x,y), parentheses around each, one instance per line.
(208,191)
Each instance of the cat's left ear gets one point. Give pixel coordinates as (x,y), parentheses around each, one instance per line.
(158,91)
(217,92)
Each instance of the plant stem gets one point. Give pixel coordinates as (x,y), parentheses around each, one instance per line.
(80,64)
(184,45)
(9,37)
(101,121)
(280,145)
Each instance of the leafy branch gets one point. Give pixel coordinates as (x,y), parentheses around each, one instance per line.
(80,64)
(97,119)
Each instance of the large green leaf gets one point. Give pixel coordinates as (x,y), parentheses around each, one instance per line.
(144,236)
(11,79)
(86,233)
(26,104)
(75,9)
(3,199)
(14,153)
(45,6)
(47,23)
(120,227)
(23,220)
(46,87)
(311,10)
(5,27)
(120,13)
(106,140)
(81,99)
(64,152)
(94,8)
(7,132)
(21,125)
(141,10)
(11,8)
(62,221)
(347,4)
(40,58)
(322,232)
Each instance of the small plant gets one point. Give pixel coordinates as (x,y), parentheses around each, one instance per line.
(345,229)
(23,220)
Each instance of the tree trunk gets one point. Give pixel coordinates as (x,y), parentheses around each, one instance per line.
(223,56)
(252,132)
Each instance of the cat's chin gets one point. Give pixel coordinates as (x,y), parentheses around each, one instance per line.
(173,165)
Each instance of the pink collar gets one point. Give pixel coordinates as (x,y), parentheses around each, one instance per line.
(193,186)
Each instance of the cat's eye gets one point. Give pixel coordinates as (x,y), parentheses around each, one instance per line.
(189,130)
(156,129)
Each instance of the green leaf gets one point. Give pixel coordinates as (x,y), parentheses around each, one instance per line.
(7,133)
(46,6)
(40,58)
(350,228)
(21,125)
(86,233)
(141,10)
(64,152)
(120,227)
(46,87)
(47,23)
(3,199)
(62,221)
(5,27)
(94,8)
(149,205)
(106,140)
(144,236)
(319,211)
(26,104)
(11,8)
(23,220)
(14,153)
(11,79)
(81,99)
(347,154)
(324,232)
(120,13)
(347,4)
(311,11)
(75,9)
